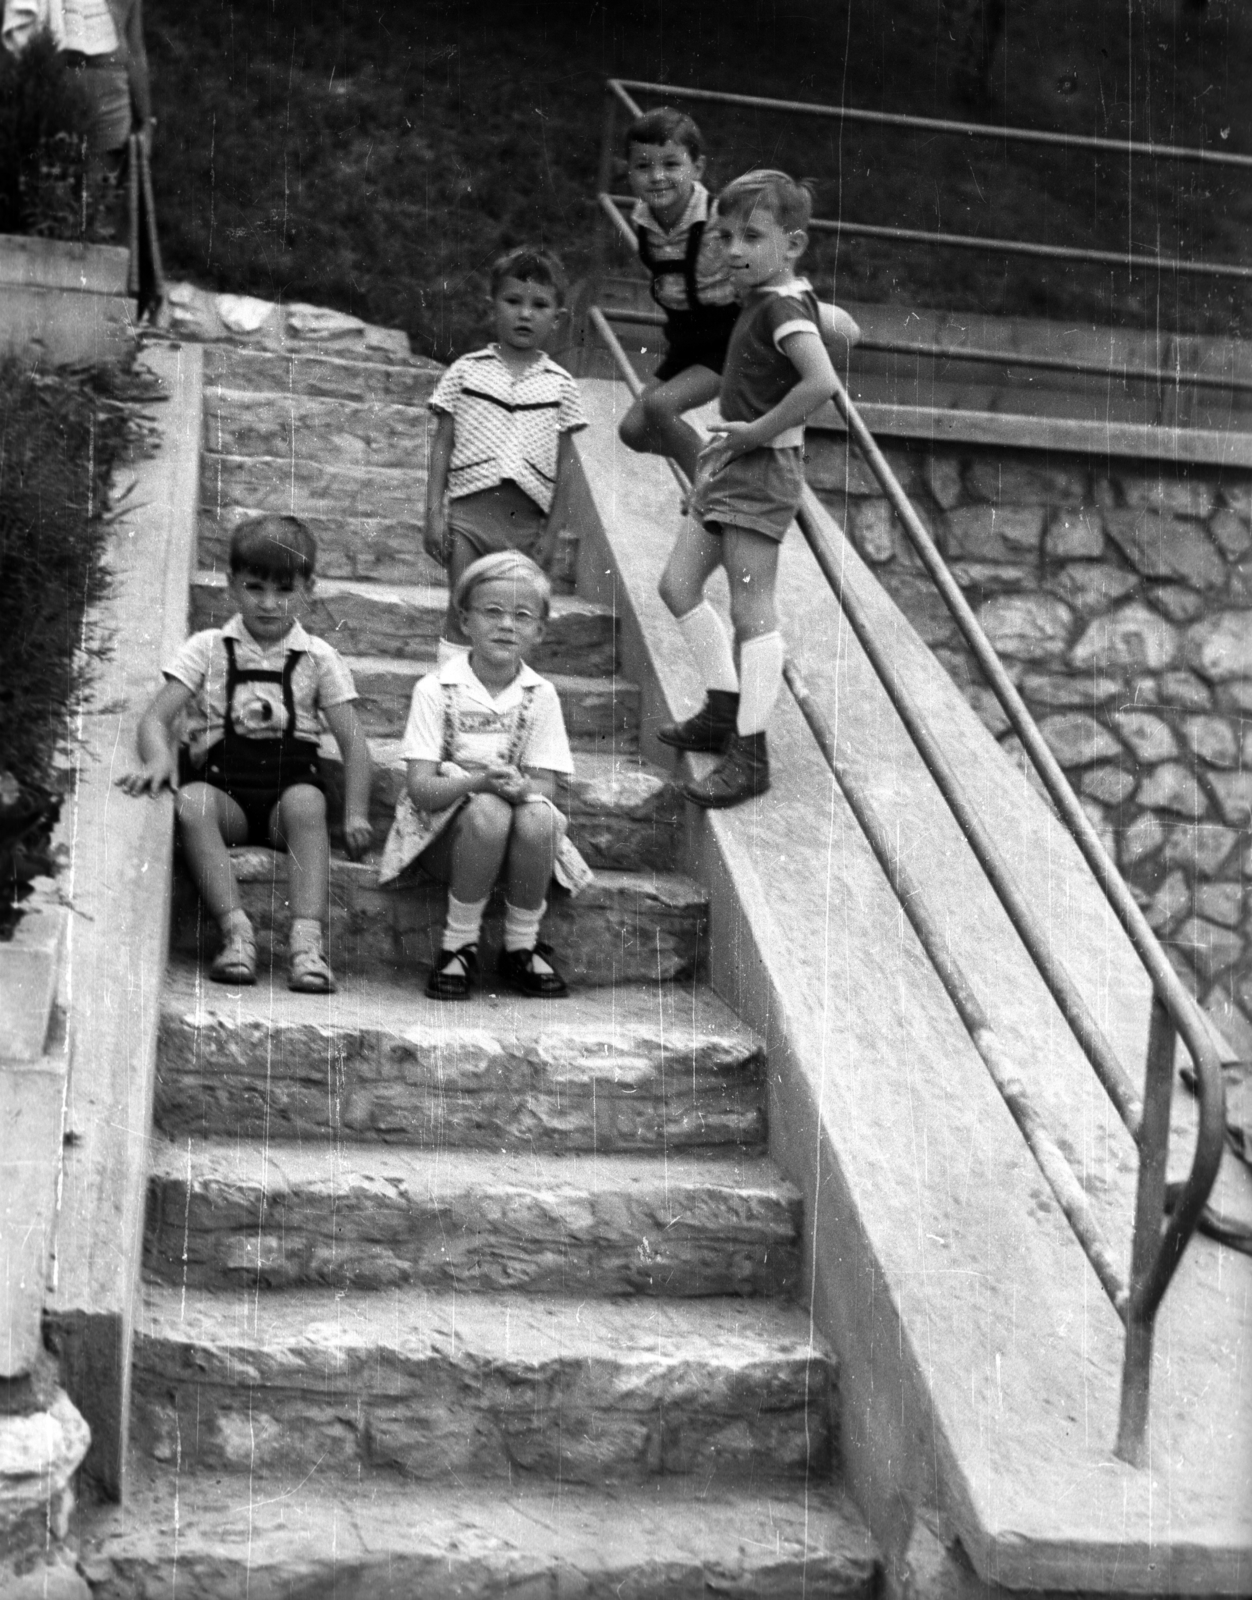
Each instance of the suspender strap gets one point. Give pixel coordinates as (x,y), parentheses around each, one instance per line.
(670,269)
(235,676)
(521,729)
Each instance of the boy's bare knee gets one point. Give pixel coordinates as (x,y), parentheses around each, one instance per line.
(633,428)
(489,816)
(302,806)
(195,804)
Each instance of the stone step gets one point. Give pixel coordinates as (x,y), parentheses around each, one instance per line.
(406,620)
(229,1213)
(657,1067)
(308,1539)
(271,372)
(624,814)
(626,927)
(314,488)
(600,713)
(373,549)
(312,428)
(443,1386)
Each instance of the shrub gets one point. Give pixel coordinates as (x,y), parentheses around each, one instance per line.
(58,442)
(43,122)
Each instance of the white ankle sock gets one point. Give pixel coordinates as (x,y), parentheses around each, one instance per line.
(521,928)
(447,649)
(761,668)
(464,923)
(709,643)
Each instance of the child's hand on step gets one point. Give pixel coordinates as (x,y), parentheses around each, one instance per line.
(357,836)
(161,772)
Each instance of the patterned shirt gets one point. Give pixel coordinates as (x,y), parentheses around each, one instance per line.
(669,287)
(319,679)
(758,371)
(485,725)
(507,424)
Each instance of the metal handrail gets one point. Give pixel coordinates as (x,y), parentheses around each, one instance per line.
(1155,1251)
(985,356)
(899,119)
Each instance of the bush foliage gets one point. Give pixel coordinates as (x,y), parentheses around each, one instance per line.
(42,123)
(56,450)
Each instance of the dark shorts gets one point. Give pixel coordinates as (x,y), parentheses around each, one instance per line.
(760,491)
(255,788)
(696,339)
(502,518)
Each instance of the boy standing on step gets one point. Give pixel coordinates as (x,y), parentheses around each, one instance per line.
(501,452)
(256,689)
(748,484)
(485,743)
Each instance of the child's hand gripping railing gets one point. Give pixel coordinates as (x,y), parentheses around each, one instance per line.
(1157,1244)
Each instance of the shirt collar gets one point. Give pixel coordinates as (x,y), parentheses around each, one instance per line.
(696,210)
(492,353)
(456,669)
(294,639)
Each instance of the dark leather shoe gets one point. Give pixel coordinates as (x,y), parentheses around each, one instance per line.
(517,970)
(741,773)
(454,974)
(710,730)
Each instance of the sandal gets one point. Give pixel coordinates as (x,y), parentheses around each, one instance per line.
(308,971)
(517,970)
(453,974)
(235,962)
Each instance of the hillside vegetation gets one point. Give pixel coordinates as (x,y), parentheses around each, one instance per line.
(376,158)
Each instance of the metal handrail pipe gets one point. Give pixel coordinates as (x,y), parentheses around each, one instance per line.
(1182,1011)
(1086,1030)
(1051,1160)
(994,245)
(973,130)
(1000,358)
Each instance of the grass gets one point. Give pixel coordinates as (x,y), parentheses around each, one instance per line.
(375,159)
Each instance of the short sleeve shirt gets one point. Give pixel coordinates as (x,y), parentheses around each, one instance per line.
(319,680)
(668,250)
(484,726)
(507,424)
(758,372)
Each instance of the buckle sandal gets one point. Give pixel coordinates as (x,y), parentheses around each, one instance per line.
(710,730)
(235,962)
(516,969)
(308,971)
(741,773)
(454,974)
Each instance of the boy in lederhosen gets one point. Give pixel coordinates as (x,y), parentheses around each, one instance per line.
(256,692)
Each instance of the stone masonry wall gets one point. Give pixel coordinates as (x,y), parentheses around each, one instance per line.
(1119,595)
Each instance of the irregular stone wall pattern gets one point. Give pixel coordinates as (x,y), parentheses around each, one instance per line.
(1119,596)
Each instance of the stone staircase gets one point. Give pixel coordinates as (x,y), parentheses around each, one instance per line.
(482,1299)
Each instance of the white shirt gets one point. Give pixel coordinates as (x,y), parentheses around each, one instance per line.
(484,726)
(507,424)
(319,679)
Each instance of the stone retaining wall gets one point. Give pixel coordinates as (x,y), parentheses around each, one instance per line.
(1119,595)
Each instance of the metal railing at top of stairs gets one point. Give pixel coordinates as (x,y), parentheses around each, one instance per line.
(1158,1242)
(619,98)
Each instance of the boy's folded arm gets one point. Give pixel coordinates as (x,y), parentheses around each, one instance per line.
(807,354)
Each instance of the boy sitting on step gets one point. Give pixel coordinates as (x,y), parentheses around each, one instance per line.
(484,744)
(748,484)
(256,689)
(501,452)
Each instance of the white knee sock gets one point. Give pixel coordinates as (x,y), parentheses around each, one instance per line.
(709,643)
(521,928)
(761,667)
(464,924)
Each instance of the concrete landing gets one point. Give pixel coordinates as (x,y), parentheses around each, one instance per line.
(980,1360)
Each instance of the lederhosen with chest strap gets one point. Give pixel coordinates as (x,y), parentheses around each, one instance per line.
(699,335)
(256,772)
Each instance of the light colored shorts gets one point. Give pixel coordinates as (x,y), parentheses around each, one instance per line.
(760,490)
(501,518)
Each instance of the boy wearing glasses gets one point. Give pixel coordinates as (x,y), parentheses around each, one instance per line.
(484,745)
